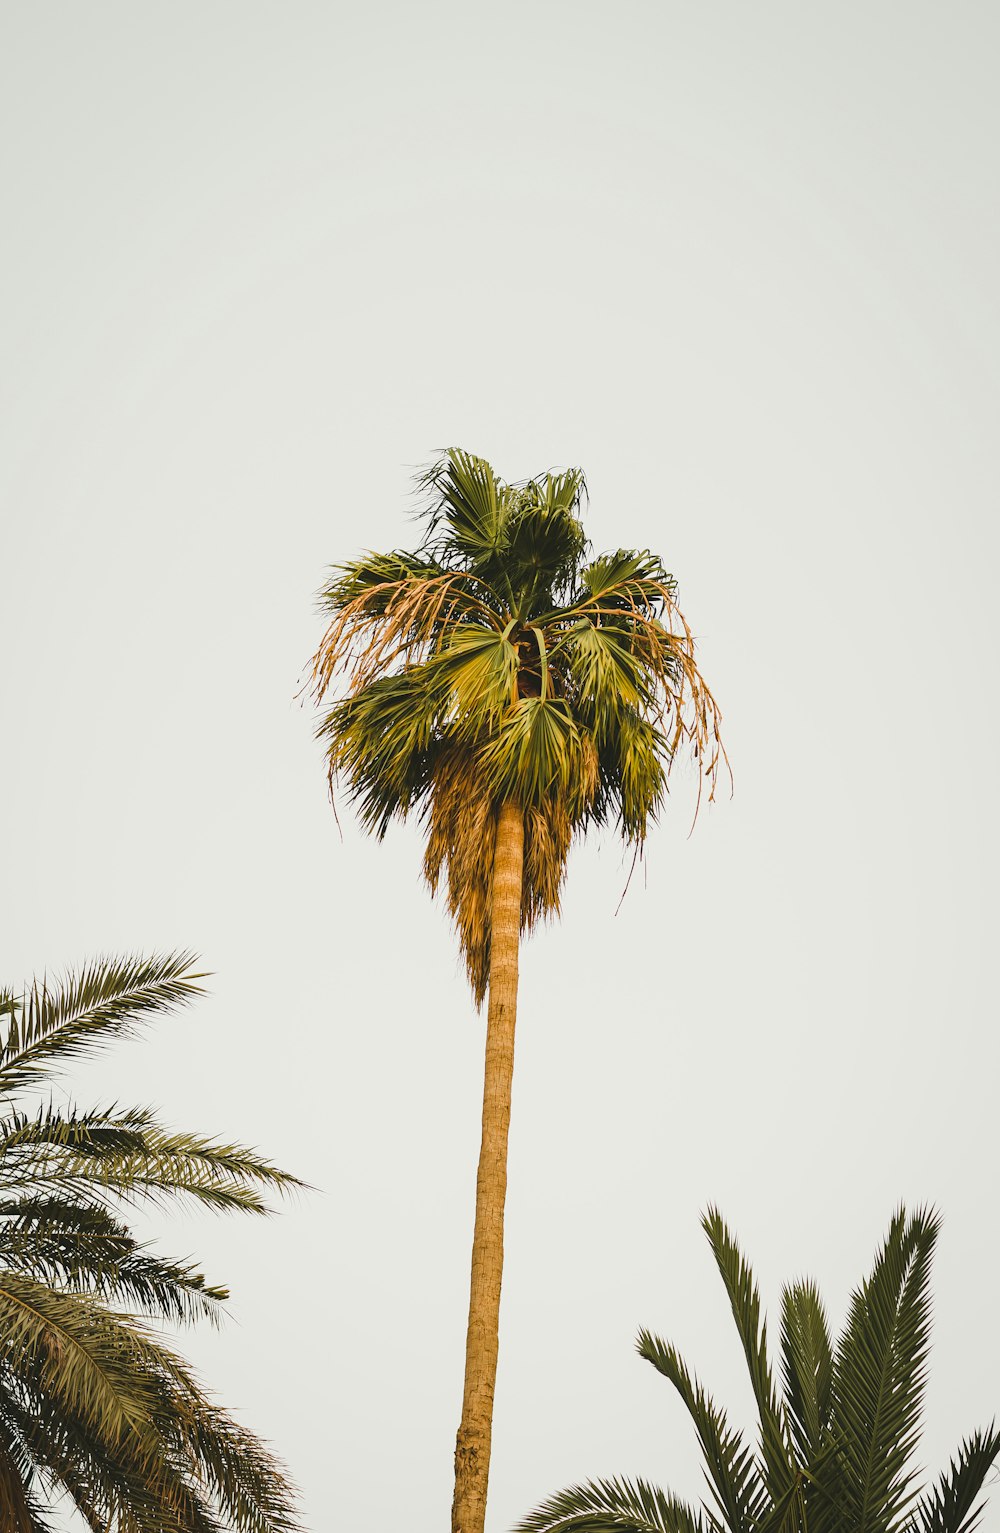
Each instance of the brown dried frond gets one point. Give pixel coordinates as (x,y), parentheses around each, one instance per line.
(461,837)
(548,832)
(15,1512)
(688,714)
(397,620)
(461,824)
(697,720)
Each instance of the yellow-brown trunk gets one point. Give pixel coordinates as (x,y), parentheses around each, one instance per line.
(472,1450)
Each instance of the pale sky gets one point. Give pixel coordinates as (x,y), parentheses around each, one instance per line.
(739,262)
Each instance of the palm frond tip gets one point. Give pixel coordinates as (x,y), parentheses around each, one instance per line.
(837,1441)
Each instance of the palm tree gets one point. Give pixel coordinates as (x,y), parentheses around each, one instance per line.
(512,692)
(94,1405)
(836,1442)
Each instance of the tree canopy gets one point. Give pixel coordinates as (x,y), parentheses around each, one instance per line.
(836,1437)
(503,661)
(94,1404)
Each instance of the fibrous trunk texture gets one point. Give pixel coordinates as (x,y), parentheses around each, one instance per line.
(472,1450)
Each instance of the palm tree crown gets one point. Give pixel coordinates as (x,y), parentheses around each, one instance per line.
(836,1440)
(93,1404)
(501,663)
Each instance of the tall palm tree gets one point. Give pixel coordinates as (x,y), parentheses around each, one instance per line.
(94,1405)
(836,1440)
(511,691)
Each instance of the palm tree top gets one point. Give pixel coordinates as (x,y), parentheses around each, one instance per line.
(837,1435)
(501,661)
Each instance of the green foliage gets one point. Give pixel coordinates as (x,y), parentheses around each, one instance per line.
(93,1403)
(835,1448)
(500,663)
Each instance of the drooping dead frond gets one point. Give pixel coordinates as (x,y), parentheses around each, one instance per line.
(461,824)
(461,821)
(548,833)
(391,624)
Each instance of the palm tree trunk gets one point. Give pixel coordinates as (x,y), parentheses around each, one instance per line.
(472,1450)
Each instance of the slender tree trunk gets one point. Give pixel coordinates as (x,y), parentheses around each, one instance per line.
(472,1450)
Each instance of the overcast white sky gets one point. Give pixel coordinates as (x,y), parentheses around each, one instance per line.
(740,263)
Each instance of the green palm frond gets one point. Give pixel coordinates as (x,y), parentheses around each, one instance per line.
(730,1466)
(77,1353)
(107,1484)
(108,999)
(536,752)
(632,777)
(852,1413)
(194,1469)
(21,1511)
(376,579)
(85,1249)
(607,674)
(879,1377)
(138,1418)
(744,1300)
(379,739)
(544,542)
(466,498)
(243,1479)
(474,673)
(127,1154)
(951,1506)
(807,1368)
(109,1488)
(626,578)
(614,1506)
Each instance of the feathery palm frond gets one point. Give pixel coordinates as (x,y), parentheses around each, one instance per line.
(85,1249)
(107,999)
(807,1368)
(614,1506)
(744,1299)
(92,1404)
(837,1441)
(879,1376)
(730,1466)
(21,1511)
(951,1506)
(107,1153)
